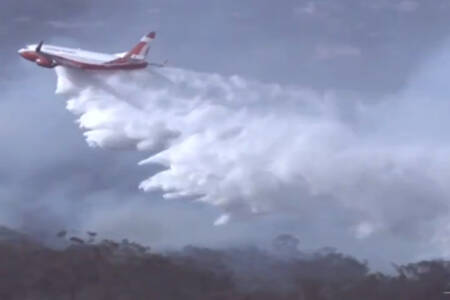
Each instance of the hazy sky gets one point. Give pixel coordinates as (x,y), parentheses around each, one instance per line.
(49,177)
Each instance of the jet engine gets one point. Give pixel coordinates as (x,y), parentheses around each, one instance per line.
(44,62)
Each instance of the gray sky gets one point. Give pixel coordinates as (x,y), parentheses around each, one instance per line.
(50,179)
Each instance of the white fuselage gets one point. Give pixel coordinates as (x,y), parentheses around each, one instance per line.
(88,57)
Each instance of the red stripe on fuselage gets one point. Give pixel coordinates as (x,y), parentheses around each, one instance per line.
(121,65)
(128,66)
(116,65)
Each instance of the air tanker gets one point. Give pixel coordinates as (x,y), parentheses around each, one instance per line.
(49,56)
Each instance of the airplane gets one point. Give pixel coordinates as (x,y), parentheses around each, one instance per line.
(49,56)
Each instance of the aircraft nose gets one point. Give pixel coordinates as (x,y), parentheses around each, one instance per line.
(29,55)
(21,51)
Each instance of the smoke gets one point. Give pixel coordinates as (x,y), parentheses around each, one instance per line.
(369,167)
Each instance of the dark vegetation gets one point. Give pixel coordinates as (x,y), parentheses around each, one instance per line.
(88,269)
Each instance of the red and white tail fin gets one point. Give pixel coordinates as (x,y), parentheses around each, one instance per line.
(140,51)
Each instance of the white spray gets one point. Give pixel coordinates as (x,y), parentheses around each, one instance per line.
(254,148)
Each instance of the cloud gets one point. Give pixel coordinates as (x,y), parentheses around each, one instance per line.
(310,8)
(74,25)
(402,6)
(154,11)
(407,6)
(335,51)
(364,230)
(22,19)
